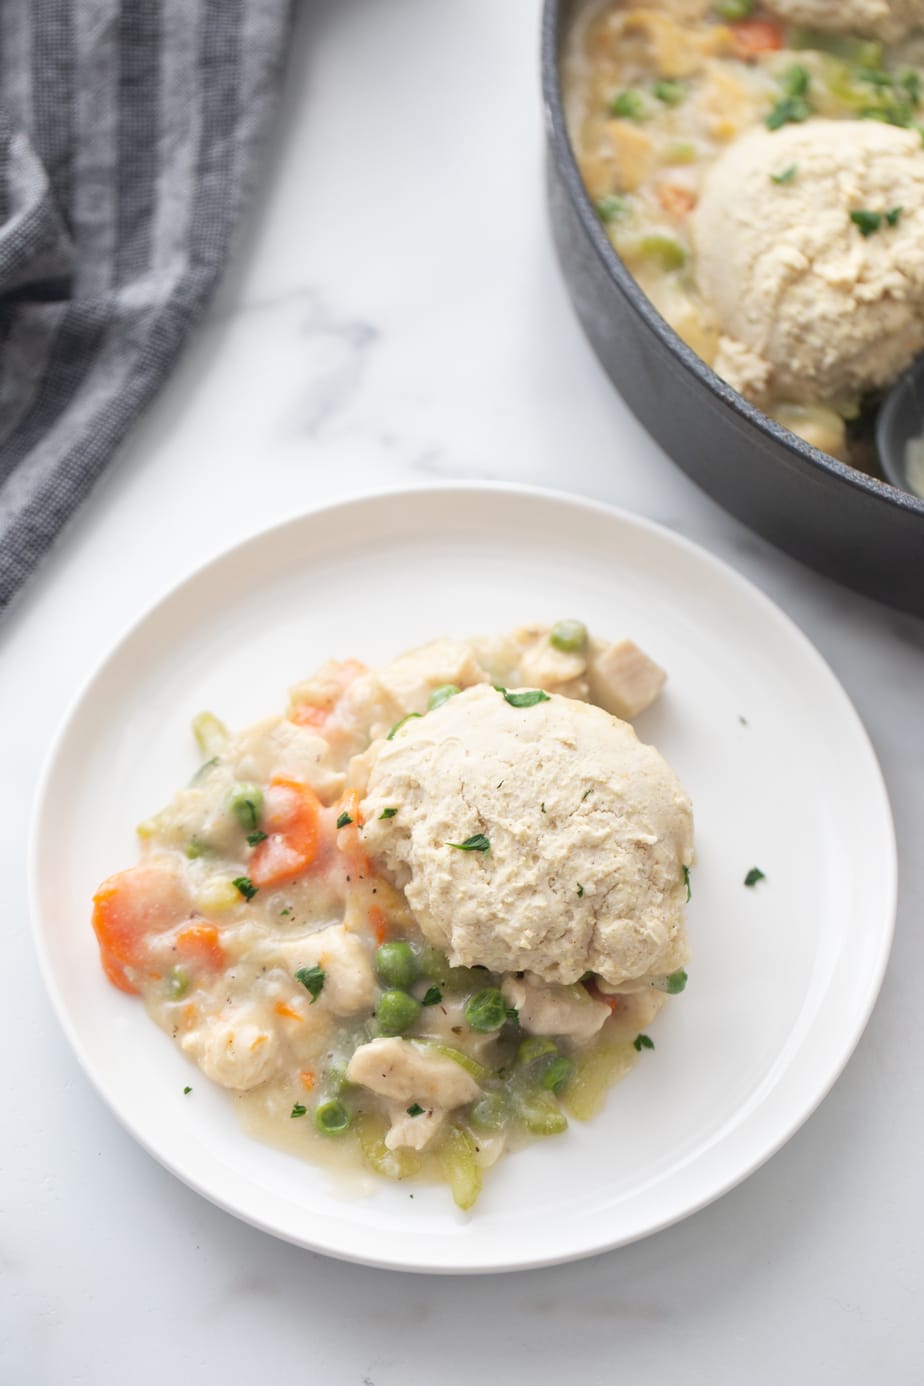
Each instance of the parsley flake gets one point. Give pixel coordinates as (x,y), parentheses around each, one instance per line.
(528,698)
(415,1109)
(313,979)
(611,208)
(894,215)
(754,875)
(298,1110)
(254,839)
(787,175)
(284,913)
(388,813)
(642,1042)
(686,881)
(432,996)
(580,890)
(866,222)
(513,1015)
(245,886)
(587,793)
(186,1090)
(476,843)
(542,806)
(344,820)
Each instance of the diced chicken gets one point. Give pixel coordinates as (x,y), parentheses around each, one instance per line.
(411,678)
(546,1009)
(557,671)
(235,1049)
(277,748)
(349,982)
(401,1070)
(414,1132)
(623,679)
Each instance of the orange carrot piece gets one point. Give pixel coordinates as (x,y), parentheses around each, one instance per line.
(308,1079)
(291,822)
(201,946)
(677,201)
(313,715)
(131,906)
(307,715)
(287,1012)
(377,924)
(754,36)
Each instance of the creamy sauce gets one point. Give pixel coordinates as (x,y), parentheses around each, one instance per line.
(272,949)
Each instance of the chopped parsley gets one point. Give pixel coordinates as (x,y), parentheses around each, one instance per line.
(542,806)
(513,1015)
(287,911)
(476,843)
(298,1110)
(245,886)
(611,208)
(398,725)
(186,1090)
(587,793)
(642,1042)
(787,175)
(686,881)
(312,978)
(580,890)
(344,820)
(866,222)
(388,813)
(528,698)
(792,107)
(415,1109)
(254,839)
(894,215)
(432,996)
(754,875)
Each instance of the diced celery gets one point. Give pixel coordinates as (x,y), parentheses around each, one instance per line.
(540,1113)
(217,895)
(664,250)
(595,1071)
(211,734)
(465,1061)
(393,1164)
(458,1161)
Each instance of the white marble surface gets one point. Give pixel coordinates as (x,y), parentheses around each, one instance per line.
(395,315)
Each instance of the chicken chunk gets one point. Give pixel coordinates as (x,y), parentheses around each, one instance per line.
(349,982)
(414,1132)
(545,1009)
(557,671)
(409,1073)
(411,677)
(623,679)
(277,747)
(235,1049)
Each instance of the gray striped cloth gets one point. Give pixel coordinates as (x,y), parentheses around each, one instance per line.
(128,130)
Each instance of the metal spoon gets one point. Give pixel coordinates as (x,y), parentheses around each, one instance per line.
(901,418)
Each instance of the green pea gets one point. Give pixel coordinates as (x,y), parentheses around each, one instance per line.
(396,965)
(247,805)
(490,1111)
(331,1118)
(569,636)
(396,1012)
(536,1047)
(629,105)
(733,10)
(557,1073)
(486,1010)
(177,982)
(441,695)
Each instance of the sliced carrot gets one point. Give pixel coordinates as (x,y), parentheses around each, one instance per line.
(287,1012)
(377,924)
(754,36)
(677,201)
(290,819)
(130,907)
(190,1015)
(316,715)
(199,944)
(308,1079)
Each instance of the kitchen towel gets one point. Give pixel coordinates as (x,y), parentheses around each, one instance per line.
(128,135)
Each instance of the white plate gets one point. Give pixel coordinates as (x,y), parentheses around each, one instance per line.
(781,774)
